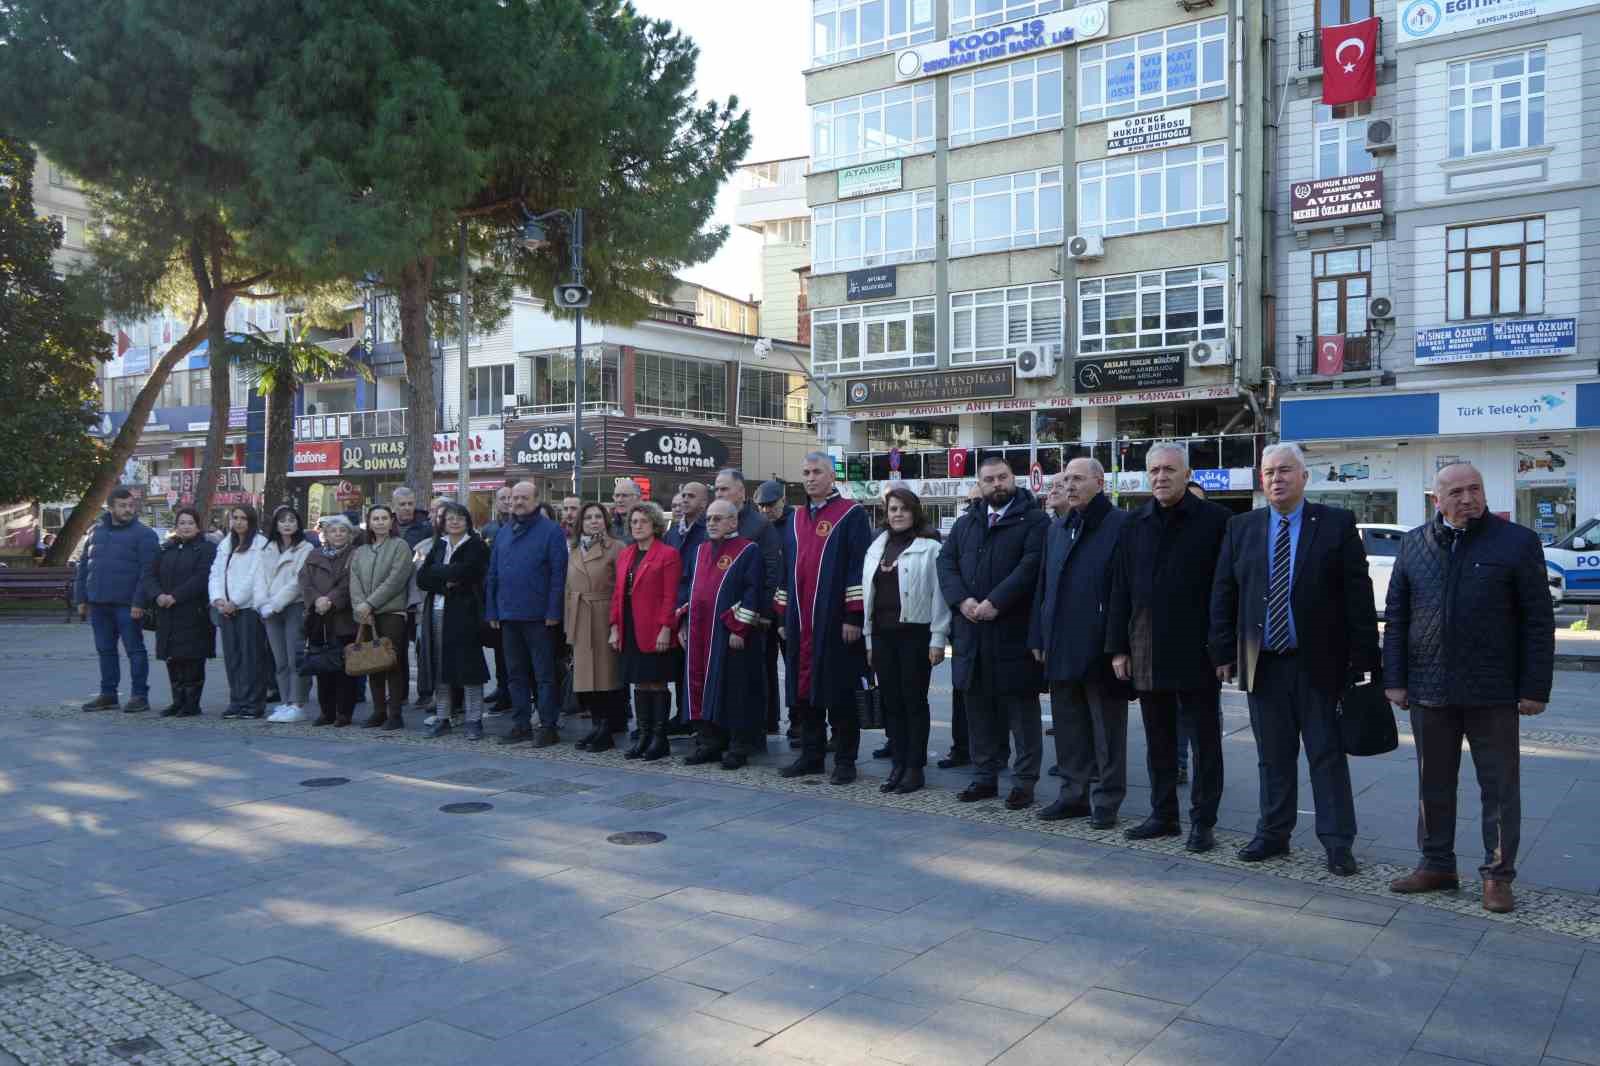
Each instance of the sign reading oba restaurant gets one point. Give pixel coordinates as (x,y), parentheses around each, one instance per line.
(997,382)
(682,451)
(550,448)
(1336,198)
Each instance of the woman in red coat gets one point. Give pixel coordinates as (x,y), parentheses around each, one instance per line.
(643,603)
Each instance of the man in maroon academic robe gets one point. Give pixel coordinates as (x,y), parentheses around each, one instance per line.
(719,600)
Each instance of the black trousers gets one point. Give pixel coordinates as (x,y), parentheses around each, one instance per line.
(960,744)
(1161,711)
(993,720)
(1493,732)
(814,723)
(1091,738)
(773,695)
(1286,710)
(336,691)
(185,672)
(900,658)
(611,706)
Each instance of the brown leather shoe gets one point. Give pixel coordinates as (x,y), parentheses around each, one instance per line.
(1497,898)
(1420,880)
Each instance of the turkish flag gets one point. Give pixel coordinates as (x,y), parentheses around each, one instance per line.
(1350,62)
(124,342)
(1330,354)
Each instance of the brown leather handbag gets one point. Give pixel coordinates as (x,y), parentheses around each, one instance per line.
(364,657)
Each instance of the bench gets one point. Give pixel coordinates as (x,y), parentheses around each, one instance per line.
(38,583)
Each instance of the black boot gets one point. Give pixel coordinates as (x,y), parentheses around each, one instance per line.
(660,746)
(191,704)
(643,712)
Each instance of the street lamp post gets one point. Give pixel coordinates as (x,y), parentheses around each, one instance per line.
(573,296)
(463,377)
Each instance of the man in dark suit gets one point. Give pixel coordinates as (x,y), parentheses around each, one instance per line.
(1156,626)
(1068,635)
(1292,614)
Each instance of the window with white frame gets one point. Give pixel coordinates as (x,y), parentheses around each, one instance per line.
(864,129)
(1148,191)
(1496,103)
(1010,211)
(842,30)
(1006,100)
(1157,309)
(968,15)
(488,388)
(788,231)
(1342,141)
(898,228)
(894,335)
(992,325)
(1163,68)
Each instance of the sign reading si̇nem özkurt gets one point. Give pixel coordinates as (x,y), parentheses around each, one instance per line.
(1510,338)
(869,179)
(1129,373)
(682,451)
(1157,130)
(550,448)
(1014,40)
(1335,198)
(988,383)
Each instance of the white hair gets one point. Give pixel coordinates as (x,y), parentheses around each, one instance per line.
(1171,447)
(1096,467)
(1286,447)
(626,484)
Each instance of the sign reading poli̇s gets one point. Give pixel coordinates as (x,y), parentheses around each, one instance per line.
(1014,40)
(682,451)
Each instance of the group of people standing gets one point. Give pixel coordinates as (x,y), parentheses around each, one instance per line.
(682,618)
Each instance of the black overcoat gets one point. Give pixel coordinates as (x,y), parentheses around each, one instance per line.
(182,569)
(461,581)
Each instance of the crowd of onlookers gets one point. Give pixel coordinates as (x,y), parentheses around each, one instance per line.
(680,617)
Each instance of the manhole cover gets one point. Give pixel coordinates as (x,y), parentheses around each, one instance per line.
(324,782)
(637,837)
(18,977)
(552,788)
(132,1049)
(466,808)
(643,801)
(478,775)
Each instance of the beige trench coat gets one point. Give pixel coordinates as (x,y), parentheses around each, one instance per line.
(590,577)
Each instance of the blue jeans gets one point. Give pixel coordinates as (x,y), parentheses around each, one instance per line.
(111,622)
(530,649)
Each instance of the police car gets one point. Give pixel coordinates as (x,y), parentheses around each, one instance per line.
(1573,563)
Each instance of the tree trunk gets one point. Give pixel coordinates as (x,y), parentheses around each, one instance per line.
(279,444)
(416,280)
(205,486)
(93,499)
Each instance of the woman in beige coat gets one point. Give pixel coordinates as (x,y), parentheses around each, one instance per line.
(596,675)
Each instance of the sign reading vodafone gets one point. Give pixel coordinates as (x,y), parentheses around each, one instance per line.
(317,458)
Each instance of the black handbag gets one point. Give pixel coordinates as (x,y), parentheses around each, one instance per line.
(869,706)
(150,620)
(1366,720)
(319,655)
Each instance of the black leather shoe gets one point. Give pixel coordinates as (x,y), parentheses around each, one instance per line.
(802,767)
(136,705)
(734,760)
(1019,799)
(885,752)
(1341,863)
(1060,811)
(1261,849)
(1201,839)
(518,735)
(1102,820)
(1151,828)
(975,792)
(892,782)
(954,760)
(914,781)
(700,756)
(843,773)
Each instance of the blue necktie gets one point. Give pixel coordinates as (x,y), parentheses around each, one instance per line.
(1278,591)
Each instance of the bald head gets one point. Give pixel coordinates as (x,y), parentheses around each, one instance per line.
(1458,492)
(695,497)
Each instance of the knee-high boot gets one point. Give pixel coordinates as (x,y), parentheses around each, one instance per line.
(644,709)
(661,715)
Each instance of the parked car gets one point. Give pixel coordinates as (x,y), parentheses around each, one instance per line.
(1382,542)
(1573,563)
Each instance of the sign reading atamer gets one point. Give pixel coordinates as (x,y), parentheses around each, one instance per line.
(1011,41)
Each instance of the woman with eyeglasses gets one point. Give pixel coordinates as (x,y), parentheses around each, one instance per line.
(451,579)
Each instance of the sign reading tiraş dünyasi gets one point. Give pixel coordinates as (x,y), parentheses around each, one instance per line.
(869,179)
(1014,40)
(1158,129)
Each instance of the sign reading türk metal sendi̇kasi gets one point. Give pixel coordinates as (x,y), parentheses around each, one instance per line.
(1014,40)
(987,383)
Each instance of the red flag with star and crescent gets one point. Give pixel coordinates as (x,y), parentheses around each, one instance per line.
(1330,354)
(1350,62)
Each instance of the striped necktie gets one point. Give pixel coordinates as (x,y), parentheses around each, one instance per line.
(1278,590)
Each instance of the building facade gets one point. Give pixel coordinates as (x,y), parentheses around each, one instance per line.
(1037,231)
(1432,246)
(772,203)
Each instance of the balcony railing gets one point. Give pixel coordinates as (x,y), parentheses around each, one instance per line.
(1362,355)
(547,410)
(389,422)
(1310,48)
(1211,451)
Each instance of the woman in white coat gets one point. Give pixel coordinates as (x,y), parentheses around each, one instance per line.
(282,614)
(906,625)
(233,597)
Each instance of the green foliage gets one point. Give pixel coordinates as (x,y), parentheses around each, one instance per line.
(50,345)
(273,364)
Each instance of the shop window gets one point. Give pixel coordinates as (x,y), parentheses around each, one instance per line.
(1495,268)
(1009,429)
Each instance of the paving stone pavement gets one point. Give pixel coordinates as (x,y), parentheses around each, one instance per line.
(175,880)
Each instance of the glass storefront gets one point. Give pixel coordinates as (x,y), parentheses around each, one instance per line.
(1547,486)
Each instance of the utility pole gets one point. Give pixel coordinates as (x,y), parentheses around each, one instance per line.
(579,370)
(463,452)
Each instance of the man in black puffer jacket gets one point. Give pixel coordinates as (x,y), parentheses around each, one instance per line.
(1469,645)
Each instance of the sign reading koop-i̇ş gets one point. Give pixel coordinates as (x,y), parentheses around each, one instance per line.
(682,451)
(1158,130)
(1014,40)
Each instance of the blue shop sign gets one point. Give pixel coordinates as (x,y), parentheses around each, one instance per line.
(1515,338)
(1014,40)
(1213,480)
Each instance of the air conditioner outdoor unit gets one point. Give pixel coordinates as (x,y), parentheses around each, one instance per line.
(1210,353)
(1381,136)
(1081,246)
(1381,309)
(1038,361)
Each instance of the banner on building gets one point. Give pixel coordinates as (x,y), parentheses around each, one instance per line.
(986,383)
(1129,373)
(550,449)
(1512,338)
(873,281)
(886,176)
(1014,40)
(1427,20)
(682,451)
(1158,130)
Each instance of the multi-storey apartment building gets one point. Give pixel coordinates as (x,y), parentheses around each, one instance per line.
(772,203)
(1037,230)
(1432,249)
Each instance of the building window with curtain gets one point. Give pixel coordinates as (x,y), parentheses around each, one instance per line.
(887,124)
(1341,133)
(489,388)
(990,326)
(674,387)
(895,335)
(899,228)
(772,397)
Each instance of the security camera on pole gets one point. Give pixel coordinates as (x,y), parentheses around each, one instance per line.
(573,296)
